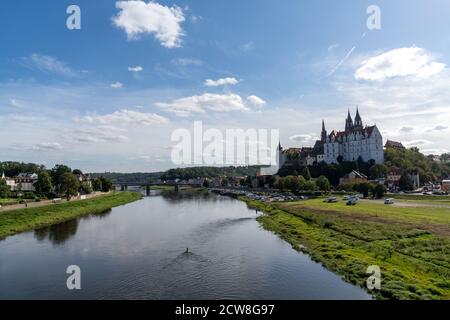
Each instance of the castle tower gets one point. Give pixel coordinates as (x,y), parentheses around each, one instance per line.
(323,135)
(349,122)
(358,121)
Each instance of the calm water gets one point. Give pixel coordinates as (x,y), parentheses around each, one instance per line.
(136,252)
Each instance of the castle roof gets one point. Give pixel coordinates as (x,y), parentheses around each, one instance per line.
(367,131)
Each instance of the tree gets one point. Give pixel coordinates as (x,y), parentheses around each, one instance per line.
(44,183)
(379,191)
(97,184)
(106,184)
(363,188)
(292,183)
(77,172)
(86,187)
(305,173)
(339,159)
(323,183)
(377,171)
(4,189)
(56,174)
(405,183)
(310,185)
(69,184)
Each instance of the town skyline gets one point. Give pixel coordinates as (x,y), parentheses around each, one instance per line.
(116,108)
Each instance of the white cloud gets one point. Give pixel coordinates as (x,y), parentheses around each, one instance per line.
(117,85)
(138,17)
(440,128)
(47,146)
(15,103)
(98,134)
(135,69)
(221,82)
(48,64)
(256,101)
(125,117)
(406,129)
(208,101)
(402,62)
(416,143)
(304,138)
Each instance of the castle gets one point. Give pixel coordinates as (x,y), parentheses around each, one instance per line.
(356,143)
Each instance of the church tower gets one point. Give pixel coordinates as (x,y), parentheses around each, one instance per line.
(323,135)
(349,122)
(358,120)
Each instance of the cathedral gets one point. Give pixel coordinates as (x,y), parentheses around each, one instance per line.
(356,142)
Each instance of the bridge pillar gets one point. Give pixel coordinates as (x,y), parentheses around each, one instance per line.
(147,190)
(177,188)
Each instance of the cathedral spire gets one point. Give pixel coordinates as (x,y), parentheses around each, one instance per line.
(349,122)
(323,135)
(358,120)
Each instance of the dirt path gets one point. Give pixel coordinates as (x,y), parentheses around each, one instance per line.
(33,204)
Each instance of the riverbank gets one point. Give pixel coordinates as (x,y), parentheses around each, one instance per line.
(410,245)
(16,221)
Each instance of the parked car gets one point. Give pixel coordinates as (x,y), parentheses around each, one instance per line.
(352,201)
(330,200)
(389,201)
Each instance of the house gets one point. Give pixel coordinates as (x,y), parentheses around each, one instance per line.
(353,177)
(393,178)
(84,178)
(446,185)
(394,145)
(21,182)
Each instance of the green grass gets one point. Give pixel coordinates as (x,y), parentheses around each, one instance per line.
(162,188)
(422,197)
(411,245)
(6,202)
(12,222)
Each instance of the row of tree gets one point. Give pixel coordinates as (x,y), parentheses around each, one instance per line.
(59,181)
(300,183)
(365,188)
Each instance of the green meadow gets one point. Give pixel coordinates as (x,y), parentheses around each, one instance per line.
(411,245)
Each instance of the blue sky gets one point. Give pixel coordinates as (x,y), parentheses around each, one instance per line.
(106,99)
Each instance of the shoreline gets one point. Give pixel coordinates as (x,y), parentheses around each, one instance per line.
(21,220)
(347,246)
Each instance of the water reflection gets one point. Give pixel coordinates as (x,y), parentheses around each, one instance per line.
(58,234)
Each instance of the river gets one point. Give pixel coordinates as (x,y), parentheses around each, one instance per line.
(136,251)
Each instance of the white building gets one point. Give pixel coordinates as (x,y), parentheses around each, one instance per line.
(22,182)
(356,142)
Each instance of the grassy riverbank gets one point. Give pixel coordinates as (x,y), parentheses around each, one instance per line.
(12,222)
(410,245)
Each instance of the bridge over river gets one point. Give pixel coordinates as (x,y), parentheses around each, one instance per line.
(176,186)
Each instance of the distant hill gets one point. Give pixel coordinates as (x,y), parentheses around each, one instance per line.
(179,173)
(210,172)
(129,178)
